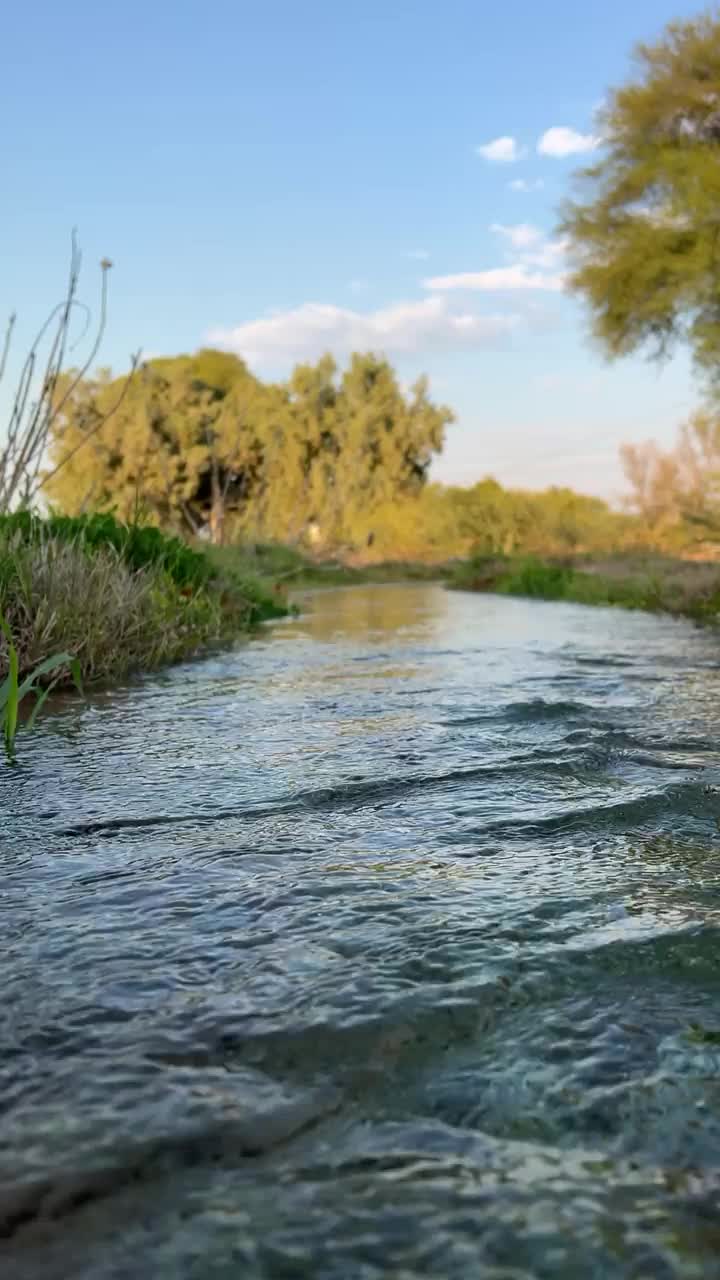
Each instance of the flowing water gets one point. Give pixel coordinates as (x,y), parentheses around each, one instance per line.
(387,945)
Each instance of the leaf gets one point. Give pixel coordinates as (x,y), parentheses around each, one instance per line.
(11,702)
(76,675)
(42,696)
(12,692)
(44,668)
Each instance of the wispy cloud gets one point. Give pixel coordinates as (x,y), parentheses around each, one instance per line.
(313,328)
(560,141)
(549,253)
(419,255)
(520,236)
(535,264)
(526,184)
(498,280)
(503,150)
(532,246)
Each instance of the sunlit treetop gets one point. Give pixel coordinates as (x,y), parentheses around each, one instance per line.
(644,230)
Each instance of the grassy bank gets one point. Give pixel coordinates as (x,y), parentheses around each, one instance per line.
(650,582)
(120,598)
(285,568)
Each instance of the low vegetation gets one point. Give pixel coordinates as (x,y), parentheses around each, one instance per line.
(119,598)
(38,685)
(651,582)
(288,568)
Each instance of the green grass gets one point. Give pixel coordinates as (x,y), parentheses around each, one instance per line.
(140,546)
(287,568)
(651,583)
(121,599)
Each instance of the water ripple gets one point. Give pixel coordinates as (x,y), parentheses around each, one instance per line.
(385,945)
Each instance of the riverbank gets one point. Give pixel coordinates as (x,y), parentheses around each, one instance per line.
(121,599)
(650,582)
(287,569)
(126,598)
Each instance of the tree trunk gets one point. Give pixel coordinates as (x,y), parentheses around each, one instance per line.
(217,507)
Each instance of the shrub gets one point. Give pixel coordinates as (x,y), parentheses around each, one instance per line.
(63,593)
(140,545)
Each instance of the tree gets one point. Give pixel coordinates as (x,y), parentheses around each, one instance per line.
(200,444)
(385,441)
(680,485)
(180,444)
(654,480)
(644,242)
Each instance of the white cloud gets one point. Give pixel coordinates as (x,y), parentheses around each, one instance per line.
(549,254)
(526,184)
(560,141)
(313,328)
(520,236)
(420,255)
(498,280)
(535,264)
(503,150)
(531,246)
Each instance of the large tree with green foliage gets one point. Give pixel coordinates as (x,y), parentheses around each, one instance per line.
(644,234)
(200,443)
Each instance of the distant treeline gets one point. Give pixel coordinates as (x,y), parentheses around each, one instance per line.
(338,461)
(200,445)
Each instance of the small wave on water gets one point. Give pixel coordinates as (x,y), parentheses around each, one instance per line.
(386,945)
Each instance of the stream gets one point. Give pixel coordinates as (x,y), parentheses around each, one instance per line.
(386,945)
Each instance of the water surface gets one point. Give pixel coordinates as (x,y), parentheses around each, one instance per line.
(386,945)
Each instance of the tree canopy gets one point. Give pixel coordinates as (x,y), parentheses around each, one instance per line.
(199,443)
(644,236)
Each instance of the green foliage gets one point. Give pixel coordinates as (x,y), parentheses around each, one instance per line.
(286,567)
(68,593)
(139,545)
(550,581)
(485,519)
(533,578)
(333,464)
(13,692)
(644,238)
(201,445)
(653,583)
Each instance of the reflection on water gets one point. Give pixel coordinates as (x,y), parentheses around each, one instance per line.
(386,945)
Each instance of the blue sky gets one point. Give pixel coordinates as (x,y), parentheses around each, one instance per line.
(289,177)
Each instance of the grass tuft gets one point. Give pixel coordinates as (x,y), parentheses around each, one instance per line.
(119,604)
